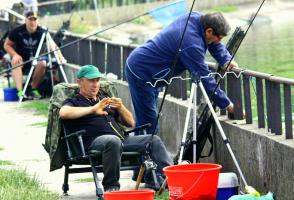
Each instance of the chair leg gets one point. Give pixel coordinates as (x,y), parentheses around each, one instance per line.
(99,191)
(140,176)
(150,165)
(156,184)
(65,186)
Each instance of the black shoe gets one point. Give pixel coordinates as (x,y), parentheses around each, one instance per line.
(111,188)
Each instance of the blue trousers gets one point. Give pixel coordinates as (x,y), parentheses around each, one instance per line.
(144,98)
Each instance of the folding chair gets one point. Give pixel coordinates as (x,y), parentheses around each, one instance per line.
(67,149)
(77,156)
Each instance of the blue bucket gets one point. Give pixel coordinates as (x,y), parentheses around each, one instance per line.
(10,94)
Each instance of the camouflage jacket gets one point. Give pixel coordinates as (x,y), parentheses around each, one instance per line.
(54,146)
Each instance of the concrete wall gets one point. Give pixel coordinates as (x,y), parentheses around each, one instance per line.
(266,160)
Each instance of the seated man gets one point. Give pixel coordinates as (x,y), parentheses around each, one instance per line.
(22,44)
(97,114)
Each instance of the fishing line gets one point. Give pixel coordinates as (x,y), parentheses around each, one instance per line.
(73,42)
(212,74)
(174,64)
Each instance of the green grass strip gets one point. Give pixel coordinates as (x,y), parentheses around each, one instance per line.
(85,180)
(6,162)
(40,124)
(40,106)
(164,196)
(229,8)
(17,185)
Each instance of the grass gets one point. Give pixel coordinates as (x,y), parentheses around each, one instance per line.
(6,162)
(40,124)
(40,106)
(164,196)
(84,180)
(229,8)
(17,185)
(144,20)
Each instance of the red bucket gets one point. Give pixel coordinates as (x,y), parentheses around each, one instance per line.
(130,195)
(196,181)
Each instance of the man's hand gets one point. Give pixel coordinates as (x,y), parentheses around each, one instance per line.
(230,108)
(98,109)
(125,116)
(233,64)
(16,60)
(116,103)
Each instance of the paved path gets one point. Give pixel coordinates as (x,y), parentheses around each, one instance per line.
(22,143)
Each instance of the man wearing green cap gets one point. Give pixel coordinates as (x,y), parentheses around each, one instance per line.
(98,114)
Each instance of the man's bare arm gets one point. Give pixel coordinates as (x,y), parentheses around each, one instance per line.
(70,112)
(15,57)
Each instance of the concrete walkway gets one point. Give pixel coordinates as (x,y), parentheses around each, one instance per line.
(22,143)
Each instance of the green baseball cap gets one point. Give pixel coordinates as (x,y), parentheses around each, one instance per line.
(89,72)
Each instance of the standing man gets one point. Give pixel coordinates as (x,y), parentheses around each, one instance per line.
(98,114)
(154,59)
(22,44)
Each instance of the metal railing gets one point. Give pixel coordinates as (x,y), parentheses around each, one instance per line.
(261,89)
(260,97)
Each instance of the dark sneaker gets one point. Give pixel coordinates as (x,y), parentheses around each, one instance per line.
(36,94)
(111,189)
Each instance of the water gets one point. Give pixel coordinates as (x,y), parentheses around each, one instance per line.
(269,47)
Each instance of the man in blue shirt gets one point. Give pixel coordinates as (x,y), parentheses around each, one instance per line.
(154,59)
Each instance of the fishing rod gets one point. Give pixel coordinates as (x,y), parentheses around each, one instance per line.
(249,189)
(173,65)
(86,37)
(71,43)
(239,44)
(228,64)
(239,33)
(148,145)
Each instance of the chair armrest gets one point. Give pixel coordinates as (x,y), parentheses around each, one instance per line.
(142,127)
(77,133)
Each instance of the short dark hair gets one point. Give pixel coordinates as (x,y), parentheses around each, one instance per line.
(217,22)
